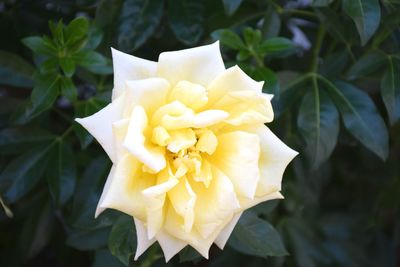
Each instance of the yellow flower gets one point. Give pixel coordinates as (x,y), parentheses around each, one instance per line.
(189,147)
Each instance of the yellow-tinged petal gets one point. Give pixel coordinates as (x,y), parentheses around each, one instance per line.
(216,204)
(224,235)
(197,65)
(181,139)
(237,156)
(149,93)
(160,136)
(135,142)
(208,118)
(246,107)
(207,142)
(219,204)
(143,243)
(232,79)
(183,200)
(100,125)
(155,200)
(127,67)
(191,94)
(125,187)
(274,158)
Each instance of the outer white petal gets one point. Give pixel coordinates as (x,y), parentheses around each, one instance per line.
(100,125)
(169,244)
(274,158)
(106,188)
(127,67)
(143,243)
(197,65)
(246,203)
(223,237)
(136,143)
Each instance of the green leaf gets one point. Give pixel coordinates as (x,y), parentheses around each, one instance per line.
(36,230)
(254,236)
(366,65)
(334,64)
(390,89)
(290,94)
(14,70)
(18,139)
(229,39)
(272,23)
(22,174)
(318,122)
(230,6)
(122,239)
(271,82)
(68,89)
(186,20)
(321,3)
(61,176)
(360,117)
(87,194)
(93,61)
(57,30)
(76,30)
(366,14)
(334,24)
(276,47)
(252,37)
(68,66)
(103,258)
(40,45)
(189,254)
(90,239)
(139,20)
(43,96)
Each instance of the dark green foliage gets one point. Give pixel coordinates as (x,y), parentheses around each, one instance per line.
(333,67)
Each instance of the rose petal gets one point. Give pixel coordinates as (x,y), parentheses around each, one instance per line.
(183,200)
(127,67)
(227,231)
(110,177)
(246,107)
(123,191)
(246,203)
(100,125)
(216,204)
(143,243)
(274,158)
(197,65)
(135,142)
(169,244)
(237,156)
(232,79)
(191,94)
(149,93)
(155,200)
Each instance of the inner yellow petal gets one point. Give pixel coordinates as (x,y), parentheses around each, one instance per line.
(207,142)
(191,94)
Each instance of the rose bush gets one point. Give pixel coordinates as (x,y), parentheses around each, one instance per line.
(189,147)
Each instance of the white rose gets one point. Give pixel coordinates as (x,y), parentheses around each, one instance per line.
(189,147)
